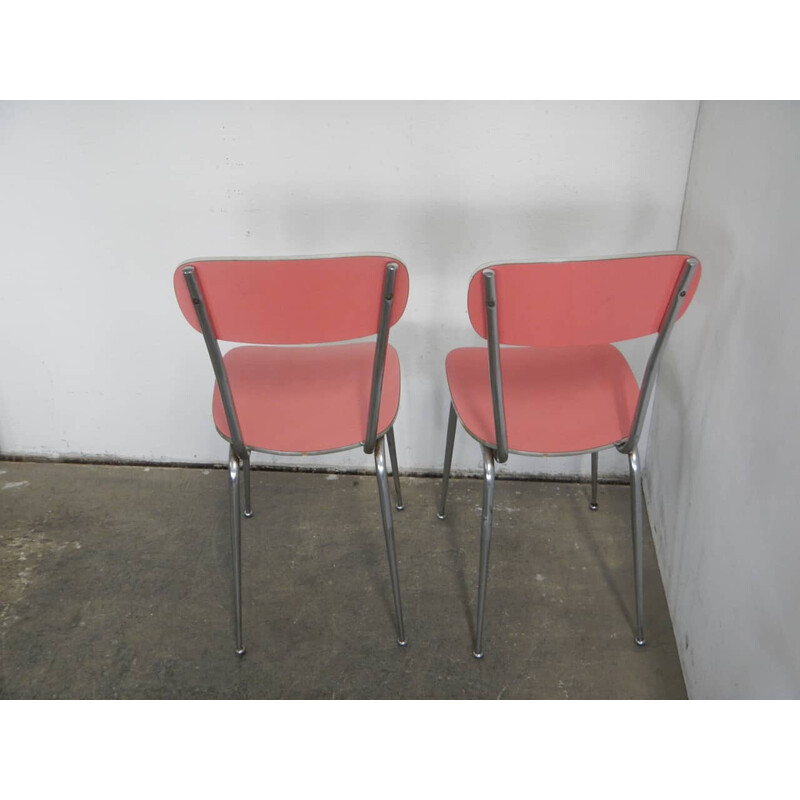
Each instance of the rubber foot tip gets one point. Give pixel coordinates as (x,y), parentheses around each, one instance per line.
(441,516)
(640,642)
(399,508)
(241,652)
(248,514)
(402,642)
(477,655)
(593,506)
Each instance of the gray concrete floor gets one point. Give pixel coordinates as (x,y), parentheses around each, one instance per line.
(115,583)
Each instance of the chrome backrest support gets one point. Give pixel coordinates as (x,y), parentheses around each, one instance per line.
(495,375)
(379,361)
(216,360)
(651,370)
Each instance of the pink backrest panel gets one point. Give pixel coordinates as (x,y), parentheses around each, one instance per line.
(553,304)
(293,301)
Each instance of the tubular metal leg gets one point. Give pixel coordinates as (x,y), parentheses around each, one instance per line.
(248,510)
(236,546)
(593,504)
(486,535)
(388,532)
(448,458)
(636,524)
(395,471)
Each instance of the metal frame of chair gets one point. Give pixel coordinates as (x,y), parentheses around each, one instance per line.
(190,274)
(498,450)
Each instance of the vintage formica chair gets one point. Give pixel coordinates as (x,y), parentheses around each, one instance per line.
(292,400)
(562,388)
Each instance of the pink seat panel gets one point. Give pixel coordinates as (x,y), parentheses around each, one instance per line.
(571,303)
(293,301)
(557,399)
(306,399)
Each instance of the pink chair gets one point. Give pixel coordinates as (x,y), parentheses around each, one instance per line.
(292,400)
(563,389)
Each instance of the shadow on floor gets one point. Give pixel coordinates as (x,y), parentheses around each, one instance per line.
(115,583)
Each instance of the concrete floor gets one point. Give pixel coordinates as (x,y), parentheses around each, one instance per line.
(115,583)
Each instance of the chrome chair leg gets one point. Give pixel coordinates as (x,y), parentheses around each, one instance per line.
(395,471)
(486,535)
(248,509)
(636,524)
(593,504)
(448,458)
(388,532)
(236,545)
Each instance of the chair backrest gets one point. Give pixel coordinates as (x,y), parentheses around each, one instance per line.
(595,301)
(304,300)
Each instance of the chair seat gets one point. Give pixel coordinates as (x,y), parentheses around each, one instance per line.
(557,399)
(299,400)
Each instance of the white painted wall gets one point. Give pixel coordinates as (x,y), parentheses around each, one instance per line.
(100,201)
(724,461)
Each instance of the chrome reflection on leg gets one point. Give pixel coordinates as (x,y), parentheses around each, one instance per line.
(248,510)
(448,459)
(486,535)
(636,525)
(395,471)
(388,532)
(236,545)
